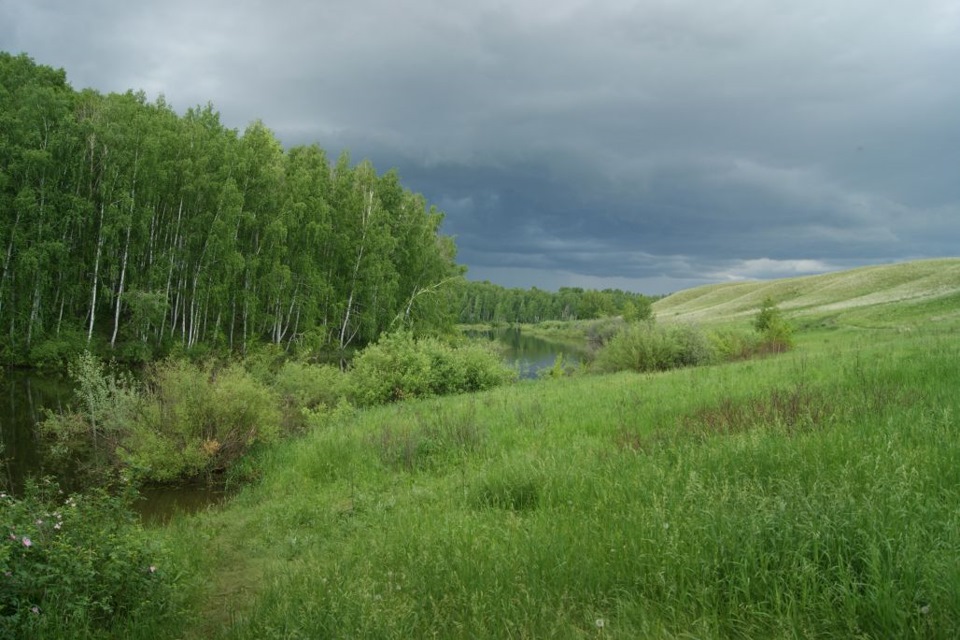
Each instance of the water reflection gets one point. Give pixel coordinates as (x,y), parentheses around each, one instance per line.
(159,505)
(24,398)
(531,354)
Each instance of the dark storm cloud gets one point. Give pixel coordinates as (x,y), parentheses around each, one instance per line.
(650,145)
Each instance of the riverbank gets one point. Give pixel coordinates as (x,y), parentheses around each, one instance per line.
(806,494)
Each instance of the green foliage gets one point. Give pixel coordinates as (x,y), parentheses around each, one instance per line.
(734,344)
(776,331)
(650,347)
(88,437)
(400,366)
(307,389)
(559,369)
(186,420)
(813,495)
(198,420)
(56,352)
(76,566)
(486,303)
(133,229)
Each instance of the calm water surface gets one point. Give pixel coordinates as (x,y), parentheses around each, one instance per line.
(530,354)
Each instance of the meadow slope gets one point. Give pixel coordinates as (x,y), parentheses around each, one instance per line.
(886,295)
(814,494)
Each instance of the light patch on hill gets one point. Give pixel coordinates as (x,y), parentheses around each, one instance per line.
(886,291)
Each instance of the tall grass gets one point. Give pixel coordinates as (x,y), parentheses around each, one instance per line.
(815,494)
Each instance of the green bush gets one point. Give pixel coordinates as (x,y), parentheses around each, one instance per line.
(199,419)
(400,366)
(734,344)
(86,438)
(649,347)
(185,421)
(776,332)
(75,566)
(305,389)
(56,352)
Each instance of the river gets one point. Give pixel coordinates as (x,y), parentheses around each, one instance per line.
(530,354)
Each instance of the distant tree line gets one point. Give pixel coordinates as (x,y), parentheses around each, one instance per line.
(126,225)
(483,302)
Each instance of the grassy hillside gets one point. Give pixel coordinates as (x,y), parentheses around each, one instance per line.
(901,295)
(812,494)
(808,495)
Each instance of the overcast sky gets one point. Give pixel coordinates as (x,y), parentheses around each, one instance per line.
(651,145)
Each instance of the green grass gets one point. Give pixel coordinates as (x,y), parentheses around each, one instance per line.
(814,494)
(810,495)
(881,296)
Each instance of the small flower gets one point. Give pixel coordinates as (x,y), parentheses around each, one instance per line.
(35,609)
(601,623)
(925,609)
(39,522)
(27,542)
(57,526)
(153,569)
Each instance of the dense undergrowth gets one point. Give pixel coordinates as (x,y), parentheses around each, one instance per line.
(76,566)
(185,420)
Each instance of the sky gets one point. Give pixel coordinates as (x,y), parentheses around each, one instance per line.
(649,146)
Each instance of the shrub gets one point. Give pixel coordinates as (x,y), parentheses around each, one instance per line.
(306,388)
(85,438)
(777,335)
(187,420)
(600,332)
(400,366)
(75,566)
(199,419)
(649,347)
(734,344)
(57,351)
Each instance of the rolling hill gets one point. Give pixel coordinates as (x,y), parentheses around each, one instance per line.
(887,295)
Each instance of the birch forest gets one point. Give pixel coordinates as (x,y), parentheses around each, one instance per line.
(135,230)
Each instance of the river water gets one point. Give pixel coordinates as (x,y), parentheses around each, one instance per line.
(530,354)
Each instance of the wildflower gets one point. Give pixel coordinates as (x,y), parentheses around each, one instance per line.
(27,542)
(57,526)
(925,609)
(35,609)
(601,623)
(153,569)
(39,522)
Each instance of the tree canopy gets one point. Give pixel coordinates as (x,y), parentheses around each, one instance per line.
(129,226)
(484,302)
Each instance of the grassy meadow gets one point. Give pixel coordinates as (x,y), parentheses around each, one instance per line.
(814,494)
